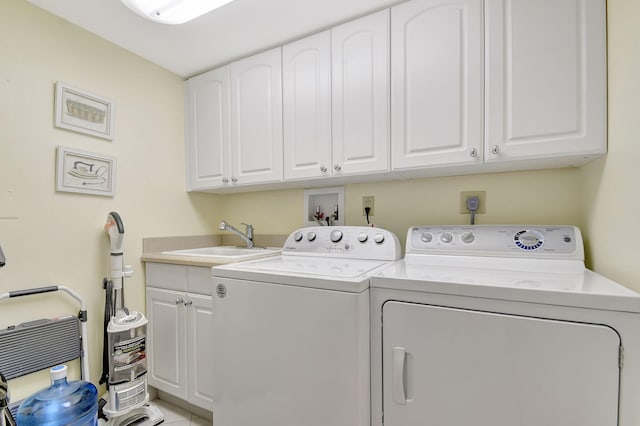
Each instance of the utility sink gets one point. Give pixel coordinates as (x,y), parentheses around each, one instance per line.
(226,252)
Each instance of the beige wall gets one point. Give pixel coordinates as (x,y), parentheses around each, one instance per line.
(57,237)
(611,185)
(537,197)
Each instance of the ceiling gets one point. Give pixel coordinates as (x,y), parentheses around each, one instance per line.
(236,30)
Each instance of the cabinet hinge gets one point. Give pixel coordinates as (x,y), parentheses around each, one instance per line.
(620,356)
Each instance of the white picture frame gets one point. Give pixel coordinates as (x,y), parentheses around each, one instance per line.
(85,172)
(83,112)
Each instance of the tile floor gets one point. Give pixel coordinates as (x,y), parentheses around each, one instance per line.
(177,416)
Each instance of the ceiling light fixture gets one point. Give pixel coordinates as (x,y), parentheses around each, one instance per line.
(173,11)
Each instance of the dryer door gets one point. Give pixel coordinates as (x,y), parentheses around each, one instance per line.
(454,367)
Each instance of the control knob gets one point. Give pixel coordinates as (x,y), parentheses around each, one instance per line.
(311,236)
(378,238)
(335,236)
(363,237)
(297,236)
(446,237)
(426,237)
(468,237)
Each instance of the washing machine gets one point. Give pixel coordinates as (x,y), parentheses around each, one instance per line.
(502,326)
(291,332)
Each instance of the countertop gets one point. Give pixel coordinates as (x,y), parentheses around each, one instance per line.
(153,248)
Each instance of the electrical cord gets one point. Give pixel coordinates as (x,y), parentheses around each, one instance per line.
(366,212)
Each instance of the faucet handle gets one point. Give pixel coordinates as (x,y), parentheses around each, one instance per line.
(249,226)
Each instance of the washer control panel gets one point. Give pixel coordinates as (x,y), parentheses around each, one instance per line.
(533,241)
(354,242)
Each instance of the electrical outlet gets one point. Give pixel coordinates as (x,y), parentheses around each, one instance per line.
(482,195)
(368,201)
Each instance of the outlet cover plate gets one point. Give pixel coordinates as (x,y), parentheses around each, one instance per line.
(482,208)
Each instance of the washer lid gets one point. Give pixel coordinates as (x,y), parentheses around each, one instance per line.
(351,275)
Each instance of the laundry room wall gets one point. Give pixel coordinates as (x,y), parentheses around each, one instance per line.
(611,185)
(536,197)
(54,237)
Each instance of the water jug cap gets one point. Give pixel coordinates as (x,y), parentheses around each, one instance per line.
(58,372)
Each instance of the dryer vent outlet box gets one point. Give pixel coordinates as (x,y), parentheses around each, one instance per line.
(323,203)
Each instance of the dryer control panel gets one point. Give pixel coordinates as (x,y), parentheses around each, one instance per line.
(352,242)
(524,241)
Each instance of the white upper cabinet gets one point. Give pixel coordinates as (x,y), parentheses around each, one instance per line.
(336,101)
(360,72)
(426,88)
(306,89)
(207,129)
(436,83)
(256,119)
(546,83)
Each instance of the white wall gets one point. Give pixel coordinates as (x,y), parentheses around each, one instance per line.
(57,237)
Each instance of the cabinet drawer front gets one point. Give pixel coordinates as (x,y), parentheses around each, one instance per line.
(164,275)
(199,280)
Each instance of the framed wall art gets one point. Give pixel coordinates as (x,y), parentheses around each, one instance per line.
(85,172)
(83,112)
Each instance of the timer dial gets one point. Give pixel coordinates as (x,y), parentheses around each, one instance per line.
(528,239)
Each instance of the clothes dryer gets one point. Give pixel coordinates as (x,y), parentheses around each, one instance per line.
(291,332)
(502,326)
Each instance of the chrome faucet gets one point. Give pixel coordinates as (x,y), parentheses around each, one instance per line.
(247,236)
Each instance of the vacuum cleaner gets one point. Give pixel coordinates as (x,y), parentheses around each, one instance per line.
(124,362)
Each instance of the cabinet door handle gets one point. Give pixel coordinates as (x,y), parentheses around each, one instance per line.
(337,167)
(179,300)
(323,168)
(234,179)
(397,376)
(188,303)
(495,149)
(225,180)
(473,152)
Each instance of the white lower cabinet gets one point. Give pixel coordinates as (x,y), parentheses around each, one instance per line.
(179,332)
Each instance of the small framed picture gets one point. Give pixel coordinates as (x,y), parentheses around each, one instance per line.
(85,172)
(83,112)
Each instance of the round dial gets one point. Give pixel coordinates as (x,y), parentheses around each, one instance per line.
(311,236)
(378,238)
(528,239)
(362,237)
(335,236)
(446,237)
(468,237)
(297,236)
(426,237)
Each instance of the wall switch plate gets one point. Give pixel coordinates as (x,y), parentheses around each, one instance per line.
(368,201)
(482,195)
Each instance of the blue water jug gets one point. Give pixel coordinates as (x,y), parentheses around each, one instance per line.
(63,403)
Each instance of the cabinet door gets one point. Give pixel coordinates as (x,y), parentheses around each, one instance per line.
(306,88)
(360,64)
(546,83)
(200,348)
(167,341)
(436,83)
(451,367)
(207,130)
(256,119)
